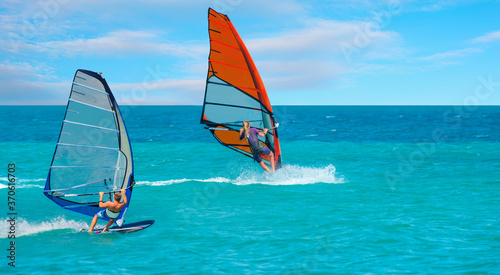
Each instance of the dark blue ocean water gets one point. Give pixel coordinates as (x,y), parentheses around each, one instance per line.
(399,189)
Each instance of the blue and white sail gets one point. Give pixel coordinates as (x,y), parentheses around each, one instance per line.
(93,153)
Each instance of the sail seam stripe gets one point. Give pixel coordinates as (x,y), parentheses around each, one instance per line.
(241,89)
(226,35)
(227,45)
(238,67)
(233,57)
(218,83)
(90,88)
(218,23)
(93,106)
(89,146)
(88,125)
(250,88)
(236,106)
(86,185)
(87,166)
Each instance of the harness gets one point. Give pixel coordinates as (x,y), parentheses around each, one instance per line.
(111,214)
(256,146)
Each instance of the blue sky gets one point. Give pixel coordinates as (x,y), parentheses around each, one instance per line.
(357,52)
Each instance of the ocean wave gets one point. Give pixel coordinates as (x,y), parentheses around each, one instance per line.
(291,175)
(24,227)
(288,175)
(5,179)
(21,183)
(174,181)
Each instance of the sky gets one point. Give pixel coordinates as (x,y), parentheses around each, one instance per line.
(352,52)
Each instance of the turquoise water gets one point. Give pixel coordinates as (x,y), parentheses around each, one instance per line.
(367,190)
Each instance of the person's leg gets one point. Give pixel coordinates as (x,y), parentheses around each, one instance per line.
(94,221)
(263,165)
(266,151)
(108,225)
(271,156)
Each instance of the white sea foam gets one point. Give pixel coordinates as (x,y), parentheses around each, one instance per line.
(170,182)
(5,179)
(288,175)
(24,227)
(22,183)
(291,175)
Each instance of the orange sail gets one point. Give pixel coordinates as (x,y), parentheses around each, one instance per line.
(234,91)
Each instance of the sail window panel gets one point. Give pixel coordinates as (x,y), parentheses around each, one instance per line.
(232,115)
(89,81)
(221,93)
(83,180)
(67,155)
(85,114)
(120,174)
(267,124)
(239,78)
(90,97)
(217,80)
(119,179)
(122,160)
(87,135)
(84,200)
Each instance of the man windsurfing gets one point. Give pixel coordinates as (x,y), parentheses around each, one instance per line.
(112,210)
(256,146)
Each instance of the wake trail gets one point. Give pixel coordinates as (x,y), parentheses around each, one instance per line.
(26,228)
(288,175)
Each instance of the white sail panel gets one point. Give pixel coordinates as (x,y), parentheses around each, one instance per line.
(93,151)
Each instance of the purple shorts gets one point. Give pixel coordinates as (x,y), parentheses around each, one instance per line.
(265,151)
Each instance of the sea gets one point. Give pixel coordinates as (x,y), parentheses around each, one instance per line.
(364,190)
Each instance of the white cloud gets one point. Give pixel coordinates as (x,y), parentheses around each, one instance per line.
(323,37)
(21,70)
(117,44)
(23,83)
(452,54)
(490,37)
(299,75)
(161,92)
(312,56)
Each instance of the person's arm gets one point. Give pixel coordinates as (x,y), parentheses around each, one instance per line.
(263,134)
(242,135)
(124,196)
(102,204)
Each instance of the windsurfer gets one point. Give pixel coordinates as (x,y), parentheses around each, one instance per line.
(250,134)
(112,210)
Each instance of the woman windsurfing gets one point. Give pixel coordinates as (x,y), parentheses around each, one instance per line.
(256,146)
